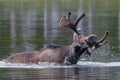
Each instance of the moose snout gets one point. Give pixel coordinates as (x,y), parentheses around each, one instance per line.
(92,40)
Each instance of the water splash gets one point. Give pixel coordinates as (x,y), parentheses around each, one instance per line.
(99,64)
(43,65)
(40,65)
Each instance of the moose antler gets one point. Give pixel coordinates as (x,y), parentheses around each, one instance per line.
(103,38)
(102,41)
(66,22)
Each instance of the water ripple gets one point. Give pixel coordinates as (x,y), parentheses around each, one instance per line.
(100,64)
(54,65)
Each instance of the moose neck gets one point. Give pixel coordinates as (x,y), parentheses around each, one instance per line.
(74,53)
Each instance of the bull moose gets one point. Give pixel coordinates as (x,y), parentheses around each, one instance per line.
(69,54)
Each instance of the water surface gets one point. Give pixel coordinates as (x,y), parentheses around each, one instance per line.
(52,71)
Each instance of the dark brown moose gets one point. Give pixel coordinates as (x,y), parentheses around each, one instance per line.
(61,54)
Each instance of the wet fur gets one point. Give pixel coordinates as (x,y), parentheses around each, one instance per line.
(50,53)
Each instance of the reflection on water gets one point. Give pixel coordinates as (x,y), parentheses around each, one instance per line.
(25,25)
(45,22)
(54,18)
(28,25)
(82,71)
(13,29)
(60,74)
(90,16)
(80,12)
(119,25)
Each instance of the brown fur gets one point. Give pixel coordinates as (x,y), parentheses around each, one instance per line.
(51,53)
(85,39)
(23,57)
(46,54)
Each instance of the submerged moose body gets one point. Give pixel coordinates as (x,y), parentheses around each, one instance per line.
(50,53)
(62,54)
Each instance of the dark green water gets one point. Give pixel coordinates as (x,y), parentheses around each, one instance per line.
(25,25)
(60,74)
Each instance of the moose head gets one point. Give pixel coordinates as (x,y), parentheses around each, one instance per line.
(90,40)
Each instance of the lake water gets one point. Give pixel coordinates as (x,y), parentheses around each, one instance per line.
(25,25)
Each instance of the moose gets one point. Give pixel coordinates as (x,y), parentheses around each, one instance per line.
(69,54)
